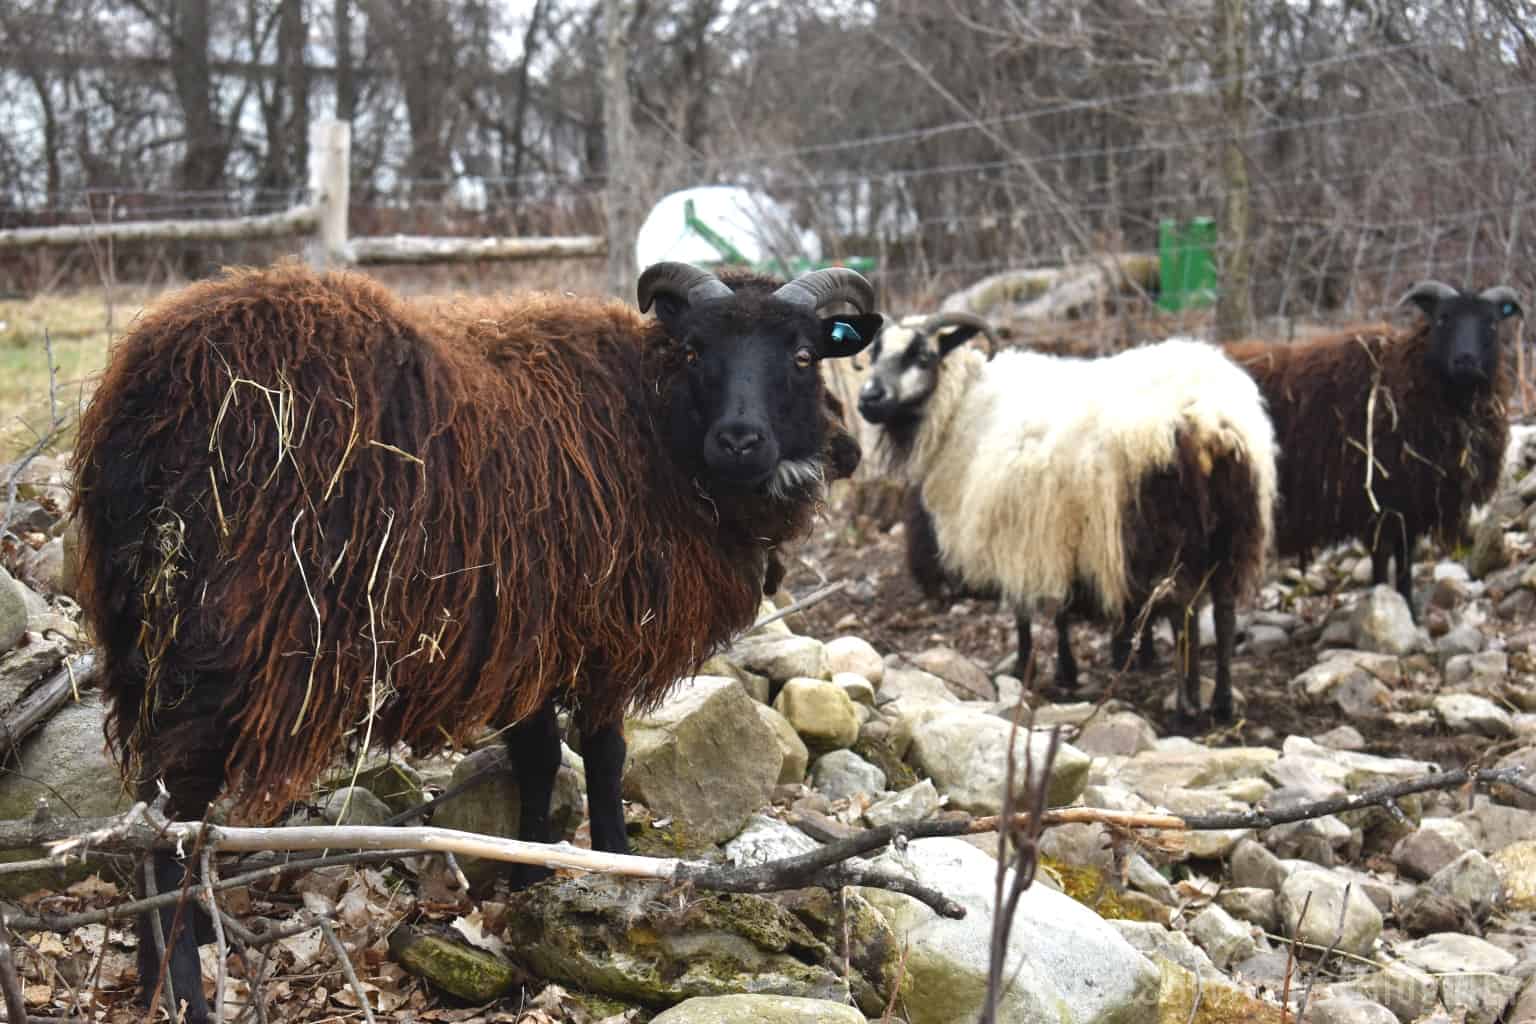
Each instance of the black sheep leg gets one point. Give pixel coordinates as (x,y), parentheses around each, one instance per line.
(1189,683)
(533,747)
(184,977)
(1224,607)
(603,749)
(1023,665)
(1066,664)
(1405,546)
(1120,646)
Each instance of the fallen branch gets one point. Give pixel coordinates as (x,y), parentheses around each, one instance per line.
(815,597)
(38,706)
(143,828)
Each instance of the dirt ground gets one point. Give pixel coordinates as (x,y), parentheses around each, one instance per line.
(883,605)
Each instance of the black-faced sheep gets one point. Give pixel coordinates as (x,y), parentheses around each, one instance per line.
(1388,433)
(1108,484)
(313,513)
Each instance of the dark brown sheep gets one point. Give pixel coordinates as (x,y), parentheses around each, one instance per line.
(1387,433)
(314,514)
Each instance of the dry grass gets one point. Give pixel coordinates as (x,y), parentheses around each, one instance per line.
(81,326)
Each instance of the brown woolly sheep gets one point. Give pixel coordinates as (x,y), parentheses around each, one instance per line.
(311,513)
(1388,433)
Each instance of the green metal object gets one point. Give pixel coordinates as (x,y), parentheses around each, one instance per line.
(731,255)
(1186,264)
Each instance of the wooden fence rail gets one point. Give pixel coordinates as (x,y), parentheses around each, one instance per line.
(322,221)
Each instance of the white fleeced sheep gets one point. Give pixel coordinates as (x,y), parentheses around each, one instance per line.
(1103,484)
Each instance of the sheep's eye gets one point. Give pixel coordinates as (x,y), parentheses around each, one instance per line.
(690,355)
(804,358)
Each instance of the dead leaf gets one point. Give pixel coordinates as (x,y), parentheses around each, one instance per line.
(95,889)
(472,927)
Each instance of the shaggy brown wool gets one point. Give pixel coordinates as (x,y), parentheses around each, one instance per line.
(1432,461)
(312,513)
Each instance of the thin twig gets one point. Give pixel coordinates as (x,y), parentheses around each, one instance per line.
(211,904)
(814,597)
(346,969)
(1338,936)
(10,984)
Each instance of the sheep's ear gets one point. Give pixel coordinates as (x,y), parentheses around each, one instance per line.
(1504,299)
(951,338)
(843,336)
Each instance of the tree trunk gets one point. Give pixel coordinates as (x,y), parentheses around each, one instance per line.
(1233,315)
(346,79)
(202,164)
(623,219)
(292,35)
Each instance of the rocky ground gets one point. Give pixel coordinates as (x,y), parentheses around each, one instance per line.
(870,707)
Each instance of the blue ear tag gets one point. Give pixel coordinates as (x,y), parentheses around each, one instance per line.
(842,332)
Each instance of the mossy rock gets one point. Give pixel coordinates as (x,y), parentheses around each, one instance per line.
(1219,1002)
(1093,889)
(629,939)
(460,970)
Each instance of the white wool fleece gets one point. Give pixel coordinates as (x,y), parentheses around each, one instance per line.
(1029,463)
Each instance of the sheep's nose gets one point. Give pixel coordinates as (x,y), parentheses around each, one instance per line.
(1466,364)
(872,391)
(739,441)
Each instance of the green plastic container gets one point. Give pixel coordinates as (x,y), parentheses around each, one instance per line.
(1186,264)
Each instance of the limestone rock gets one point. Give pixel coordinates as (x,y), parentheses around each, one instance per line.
(1154,941)
(797,757)
(765,839)
(820,711)
(1346,684)
(966,755)
(1252,865)
(841,774)
(782,658)
(492,806)
(1066,963)
(1465,712)
(1254,905)
(915,803)
(1227,940)
(1468,883)
(900,683)
(704,758)
(758,1009)
(1344,1009)
(1402,988)
(1382,622)
(13,612)
(1155,772)
(1430,847)
(858,689)
(1121,732)
(353,805)
(965,678)
(1475,975)
(1496,825)
(1331,897)
(854,654)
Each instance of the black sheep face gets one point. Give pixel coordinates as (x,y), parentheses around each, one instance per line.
(1464,334)
(905,368)
(749,402)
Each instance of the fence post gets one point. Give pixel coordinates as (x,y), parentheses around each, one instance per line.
(619,139)
(330,182)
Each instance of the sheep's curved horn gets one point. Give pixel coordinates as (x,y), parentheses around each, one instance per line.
(1426,290)
(959,319)
(684,280)
(1501,295)
(817,288)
